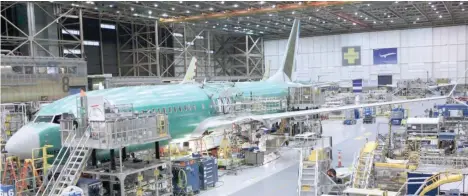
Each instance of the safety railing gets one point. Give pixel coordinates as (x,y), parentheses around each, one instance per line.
(228,105)
(117,132)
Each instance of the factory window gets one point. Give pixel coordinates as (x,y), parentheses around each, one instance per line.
(185,107)
(202,106)
(71,51)
(164,110)
(169,110)
(107,26)
(189,107)
(175,109)
(159,110)
(70,32)
(90,43)
(180,108)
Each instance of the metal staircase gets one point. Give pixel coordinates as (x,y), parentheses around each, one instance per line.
(308,175)
(73,166)
(364,168)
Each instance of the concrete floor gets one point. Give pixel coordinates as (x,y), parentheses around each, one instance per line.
(280,177)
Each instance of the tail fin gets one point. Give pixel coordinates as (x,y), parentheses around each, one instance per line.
(190,71)
(284,73)
(266,75)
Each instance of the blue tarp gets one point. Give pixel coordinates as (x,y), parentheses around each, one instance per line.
(412,188)
(446,136)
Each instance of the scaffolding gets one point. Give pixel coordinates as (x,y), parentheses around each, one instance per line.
(255,105)
(12,118)
(121,127)
(305,97)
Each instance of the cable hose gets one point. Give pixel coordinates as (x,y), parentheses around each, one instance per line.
(179,183)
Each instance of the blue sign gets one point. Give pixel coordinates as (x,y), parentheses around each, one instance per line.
(7,190)
(385,56)
(357,86)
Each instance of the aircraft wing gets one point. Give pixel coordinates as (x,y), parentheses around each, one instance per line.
(228,120)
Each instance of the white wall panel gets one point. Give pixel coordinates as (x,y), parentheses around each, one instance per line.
(442,52)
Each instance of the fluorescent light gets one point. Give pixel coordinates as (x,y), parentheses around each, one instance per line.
(172,8)
(211,9)
(417,18)
(150,12)
(155,5)
(198,37)
(440,16)
(111,5)
(354,23)
(107,26)
(188,11)
(132,9)
(273,6)
(196,5)
(164,15)
(293,12)
(235,5)
(222,2)
(262,2)
(177,35)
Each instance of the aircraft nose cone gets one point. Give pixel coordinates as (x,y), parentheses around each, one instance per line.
(22,143)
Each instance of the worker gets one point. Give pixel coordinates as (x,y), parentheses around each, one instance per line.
(430,113)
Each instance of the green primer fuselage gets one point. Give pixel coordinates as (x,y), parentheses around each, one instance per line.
(157,98)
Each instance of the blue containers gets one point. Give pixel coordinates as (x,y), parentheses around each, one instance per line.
(208,172)
(186,174)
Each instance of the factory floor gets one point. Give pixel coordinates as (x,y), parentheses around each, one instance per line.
(279,177)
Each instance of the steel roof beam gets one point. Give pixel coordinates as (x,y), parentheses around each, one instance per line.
(254,11)
(449,11)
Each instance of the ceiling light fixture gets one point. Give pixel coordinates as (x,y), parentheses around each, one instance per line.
(266,27)
(132,9)
(355,13)
(155,5)
(211,9)
(111,5)
(293,12)
(188,11)
(368,5)
(417,18)
(391,21)
(354,23)
(270,14)
(461,3)
(150,12)
(268,21)
(172,8)
(463,9)
(164,15)
(180,2)
(117,12)
(440,16)
(262,2)
(432,5)
(365,18)
(273,6)
(375,22)
(222,2)
(196,5)
(235,5)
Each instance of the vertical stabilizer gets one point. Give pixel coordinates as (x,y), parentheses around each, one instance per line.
(266,75)
(284,73)
(190,71)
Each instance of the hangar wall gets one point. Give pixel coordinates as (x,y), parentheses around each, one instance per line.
(440,52)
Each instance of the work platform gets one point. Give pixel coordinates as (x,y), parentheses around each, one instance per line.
(119,132)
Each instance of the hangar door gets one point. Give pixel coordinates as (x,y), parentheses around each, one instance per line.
(384,80)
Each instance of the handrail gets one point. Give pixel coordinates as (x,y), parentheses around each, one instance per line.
(56,164)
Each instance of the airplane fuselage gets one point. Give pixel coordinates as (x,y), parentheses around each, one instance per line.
(186,106)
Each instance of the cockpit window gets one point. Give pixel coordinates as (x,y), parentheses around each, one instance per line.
(43,119)
(57,119)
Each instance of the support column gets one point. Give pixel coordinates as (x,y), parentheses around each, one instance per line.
(156,148)
(31,28)
(112,159)
(156,39)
